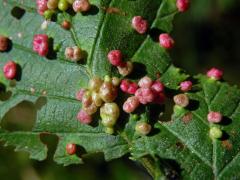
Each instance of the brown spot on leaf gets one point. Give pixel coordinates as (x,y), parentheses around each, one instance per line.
(158,75)
(179,145)
(113,10)
(227,144)
(187,118)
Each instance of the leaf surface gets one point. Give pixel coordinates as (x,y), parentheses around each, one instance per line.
(51,83)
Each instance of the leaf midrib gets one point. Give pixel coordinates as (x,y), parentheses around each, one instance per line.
(99,29)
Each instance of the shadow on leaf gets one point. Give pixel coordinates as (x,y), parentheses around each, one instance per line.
(18,12)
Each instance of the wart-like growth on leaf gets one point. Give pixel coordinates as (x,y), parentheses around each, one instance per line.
(131,104)
(115,58)
(4,43)
(186,86)
(41,6)
(183,5)
(66,25)
(215,133)
(181,100)
(81,5)
(214,117)
(166,41)
(71,148)
(126,69)
(84,117)
(100,93)
(215,74)
(109,113)
(40,44)
(74,54)
(140,24)
(10,70)
(128,86)
(143,128)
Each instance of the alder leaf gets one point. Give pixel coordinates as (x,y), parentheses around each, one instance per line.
(175,148)
(56,80)
(185,138)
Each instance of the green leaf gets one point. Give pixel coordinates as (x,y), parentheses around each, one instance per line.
(56,80)
(30,142)
(51,83)
(188,141)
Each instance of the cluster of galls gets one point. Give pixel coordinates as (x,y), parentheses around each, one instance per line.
(115,57)
(213,117)
(48,7)
(140,25)
(182,101)
(145,92)
(100,94)
(74,54)
(41,46)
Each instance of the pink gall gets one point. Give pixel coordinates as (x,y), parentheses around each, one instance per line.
(41,6)
(84,117)
(145,95)
(128,87)
(145,82)
(71,148)
(40,44)
(215,74)
(81,5)
(157,86)
(166,41)
(115,58)
(131,104)
(140,24)
(183,5)
(133,87)
(124,85)
(10,70)
(214,117)
(186,86)
(79,94)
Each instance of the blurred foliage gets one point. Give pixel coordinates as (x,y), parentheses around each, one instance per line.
(17,165)
(207,35)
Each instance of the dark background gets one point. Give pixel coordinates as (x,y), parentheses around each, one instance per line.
(207,35)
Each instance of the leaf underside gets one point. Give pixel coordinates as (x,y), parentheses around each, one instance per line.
(55,80)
